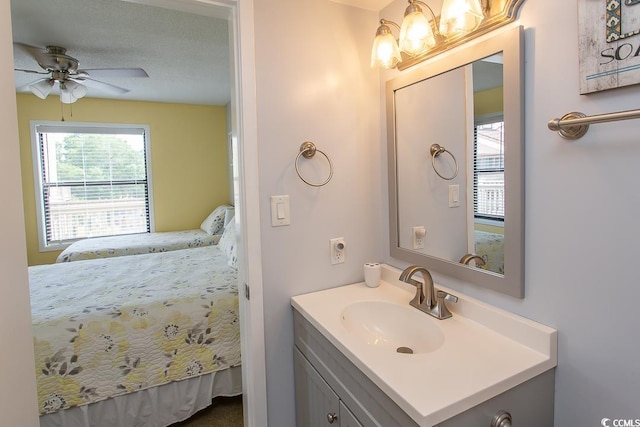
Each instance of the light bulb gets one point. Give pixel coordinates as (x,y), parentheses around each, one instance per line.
(385,52)
(460,16)
(416,35)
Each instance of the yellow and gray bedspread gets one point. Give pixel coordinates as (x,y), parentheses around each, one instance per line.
(111,326)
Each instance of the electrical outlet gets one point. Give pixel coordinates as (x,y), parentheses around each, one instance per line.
(338,250)
(419,234)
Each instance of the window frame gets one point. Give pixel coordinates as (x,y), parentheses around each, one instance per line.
(81,127)
(479,121)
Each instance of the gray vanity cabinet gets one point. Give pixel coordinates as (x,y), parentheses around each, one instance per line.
(328,384)
(317,404)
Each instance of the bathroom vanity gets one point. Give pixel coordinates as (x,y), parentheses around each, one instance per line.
(354,366)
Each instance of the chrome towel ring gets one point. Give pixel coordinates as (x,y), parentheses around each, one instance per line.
(308,150)
(436,150)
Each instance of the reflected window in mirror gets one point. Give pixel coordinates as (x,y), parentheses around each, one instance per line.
(488,179)
(489,194)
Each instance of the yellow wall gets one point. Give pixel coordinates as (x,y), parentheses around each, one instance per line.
(188,157)
(488,101)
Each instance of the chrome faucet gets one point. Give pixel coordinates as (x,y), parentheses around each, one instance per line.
(469,257)
(427,299)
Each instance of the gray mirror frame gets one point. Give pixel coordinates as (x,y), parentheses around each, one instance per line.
(509,42)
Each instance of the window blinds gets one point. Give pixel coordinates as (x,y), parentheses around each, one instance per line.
(93,181)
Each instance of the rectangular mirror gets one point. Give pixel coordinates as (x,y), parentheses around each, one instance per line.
(459,211)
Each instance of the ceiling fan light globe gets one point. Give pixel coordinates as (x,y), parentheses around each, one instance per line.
(42,88)
(66,95)
(76,89)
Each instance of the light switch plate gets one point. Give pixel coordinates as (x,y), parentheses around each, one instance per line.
(454,196)
(280,213)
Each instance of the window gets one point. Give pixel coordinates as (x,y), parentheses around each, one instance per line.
(91,180)
(488,180)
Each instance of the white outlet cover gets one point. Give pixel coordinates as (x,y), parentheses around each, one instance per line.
(338,255)
(418,235)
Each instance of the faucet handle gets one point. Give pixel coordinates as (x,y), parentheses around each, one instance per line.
(446,296)
(440,310)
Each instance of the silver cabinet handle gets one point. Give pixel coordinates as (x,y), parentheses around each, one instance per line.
(331,417)
(501,419)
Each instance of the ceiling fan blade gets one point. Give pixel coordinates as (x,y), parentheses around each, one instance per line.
(30,71)
(36,52)
(96,84)
(104,73)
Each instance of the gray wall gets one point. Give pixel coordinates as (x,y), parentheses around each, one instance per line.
(313,83)
(581,197)
(582,226)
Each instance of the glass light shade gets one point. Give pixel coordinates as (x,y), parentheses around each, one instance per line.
(41,88)
(416,35)
(385,52)
(460,16)
(71,91)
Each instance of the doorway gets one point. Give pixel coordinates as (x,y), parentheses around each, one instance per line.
(242,108)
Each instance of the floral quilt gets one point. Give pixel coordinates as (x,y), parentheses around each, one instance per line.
(490,246)
(136,244)
(111,326)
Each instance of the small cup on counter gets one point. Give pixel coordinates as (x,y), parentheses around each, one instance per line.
(372,274)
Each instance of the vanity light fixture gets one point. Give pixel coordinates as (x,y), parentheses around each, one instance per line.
(385,52)
(420,33)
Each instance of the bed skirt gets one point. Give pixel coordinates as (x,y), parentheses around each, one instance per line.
(154,407)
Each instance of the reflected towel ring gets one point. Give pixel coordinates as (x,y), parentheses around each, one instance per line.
(436,150)
(308,150)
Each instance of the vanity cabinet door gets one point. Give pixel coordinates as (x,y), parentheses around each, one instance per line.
(316,403)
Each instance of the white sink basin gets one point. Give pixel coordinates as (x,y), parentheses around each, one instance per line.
(391,327)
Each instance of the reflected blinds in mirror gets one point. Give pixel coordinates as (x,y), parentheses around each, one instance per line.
(488,177)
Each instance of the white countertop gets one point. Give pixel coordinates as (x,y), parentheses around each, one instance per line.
(486,350)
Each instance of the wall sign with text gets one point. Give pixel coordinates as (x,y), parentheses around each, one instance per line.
(609,36)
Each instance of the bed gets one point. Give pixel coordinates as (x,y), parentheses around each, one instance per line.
(490,246)
(136,340)
(208,234)
(136,244)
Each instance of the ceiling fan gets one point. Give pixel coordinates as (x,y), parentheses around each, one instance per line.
(63,69)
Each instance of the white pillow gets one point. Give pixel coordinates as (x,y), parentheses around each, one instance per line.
(227,244)
(214,223)
(228,215)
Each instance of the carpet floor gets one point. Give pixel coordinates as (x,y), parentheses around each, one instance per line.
(224,412)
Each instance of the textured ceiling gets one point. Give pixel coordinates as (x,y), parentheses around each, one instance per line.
(185,55)
(375,5)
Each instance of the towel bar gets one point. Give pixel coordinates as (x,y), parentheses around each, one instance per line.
(574,125)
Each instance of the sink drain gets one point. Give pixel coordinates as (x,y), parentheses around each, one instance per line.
(405,350)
